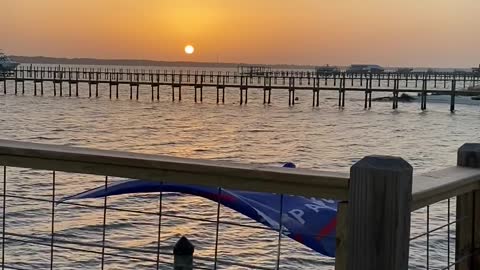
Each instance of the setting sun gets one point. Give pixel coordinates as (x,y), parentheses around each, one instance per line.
(189,49)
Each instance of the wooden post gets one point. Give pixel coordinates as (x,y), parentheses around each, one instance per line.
(370,92)
(366,95)
(183,255)
(452,96)
(4,84)
(379,214)
(468,210)
(395,94)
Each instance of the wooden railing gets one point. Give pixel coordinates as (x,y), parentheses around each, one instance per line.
(375,200)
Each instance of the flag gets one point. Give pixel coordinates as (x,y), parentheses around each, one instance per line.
(309,221)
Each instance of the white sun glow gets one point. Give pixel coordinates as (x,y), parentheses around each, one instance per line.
(189,49)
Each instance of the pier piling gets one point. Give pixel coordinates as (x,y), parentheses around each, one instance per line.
(452,96)
(217,81)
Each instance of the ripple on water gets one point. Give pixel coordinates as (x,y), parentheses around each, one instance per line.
(322,138)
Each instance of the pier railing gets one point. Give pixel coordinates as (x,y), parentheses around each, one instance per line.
(377,202)
(420,83)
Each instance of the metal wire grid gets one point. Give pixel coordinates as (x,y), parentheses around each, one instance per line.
(163,255)
(435,238)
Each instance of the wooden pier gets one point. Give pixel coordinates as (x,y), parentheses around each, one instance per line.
(65,81)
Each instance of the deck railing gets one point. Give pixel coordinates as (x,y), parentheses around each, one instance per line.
(377,200)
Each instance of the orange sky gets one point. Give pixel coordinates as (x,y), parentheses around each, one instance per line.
(387,32)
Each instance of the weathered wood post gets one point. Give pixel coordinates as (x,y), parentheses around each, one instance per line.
(379,214)
(452,96)
(183,254)
(16,82)
(468,211)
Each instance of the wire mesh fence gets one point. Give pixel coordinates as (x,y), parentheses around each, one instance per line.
(433,241)
(41,231)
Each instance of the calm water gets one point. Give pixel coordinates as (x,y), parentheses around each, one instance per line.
(321,138)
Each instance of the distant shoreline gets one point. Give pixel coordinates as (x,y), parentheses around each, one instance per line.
(158,63)
(134,62)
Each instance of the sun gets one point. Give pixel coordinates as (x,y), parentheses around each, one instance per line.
(189,49)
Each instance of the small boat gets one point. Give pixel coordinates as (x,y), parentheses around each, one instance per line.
(6,64)
(476,70)
(404,70)
(365,69)
(326,70)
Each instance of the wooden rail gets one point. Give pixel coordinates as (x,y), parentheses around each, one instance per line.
(375,200)
(440,185)
(175,170)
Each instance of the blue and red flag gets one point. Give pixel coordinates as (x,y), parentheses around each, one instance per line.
(309,221)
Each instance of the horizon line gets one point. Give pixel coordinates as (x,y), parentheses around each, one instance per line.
(40,59)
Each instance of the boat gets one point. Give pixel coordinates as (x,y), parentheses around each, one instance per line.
(326,70)
(404,70)
(365,69)
(476,70)
(6,64)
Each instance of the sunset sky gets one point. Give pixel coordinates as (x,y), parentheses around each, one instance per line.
(442,33)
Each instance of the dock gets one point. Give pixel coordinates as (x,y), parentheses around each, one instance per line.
(65,81)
